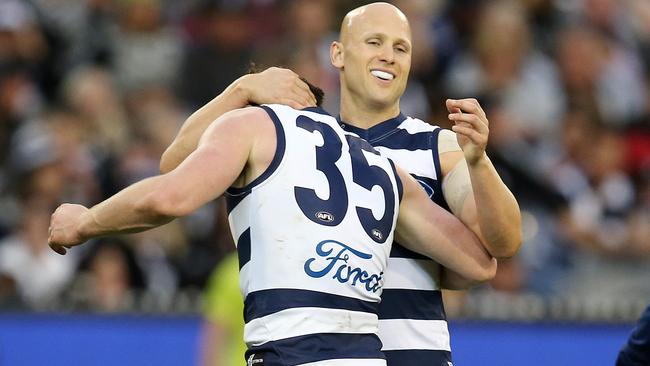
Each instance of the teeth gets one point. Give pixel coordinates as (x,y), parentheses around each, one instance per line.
(382,75)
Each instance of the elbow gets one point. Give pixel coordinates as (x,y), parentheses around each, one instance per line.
(513,248)
(508,246)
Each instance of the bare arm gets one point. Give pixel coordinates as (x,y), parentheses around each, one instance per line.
(471,181)
(426,228)
(155,201)
(273,85)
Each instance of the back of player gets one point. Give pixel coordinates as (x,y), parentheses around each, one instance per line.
(413,325)
(313,234)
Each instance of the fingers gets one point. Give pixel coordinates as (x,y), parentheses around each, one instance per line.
(277,85)
(477,138)
(300,91)
(466,119)
(468,105)
(51,242)
(305,89)
(473,123)
(296,100)
(293,103)
(60,249)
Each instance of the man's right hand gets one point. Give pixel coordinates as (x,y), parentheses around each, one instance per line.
(276,86)
(64,227)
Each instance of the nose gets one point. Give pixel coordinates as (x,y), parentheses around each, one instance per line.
(387,54)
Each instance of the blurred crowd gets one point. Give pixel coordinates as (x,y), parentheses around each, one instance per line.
(93,91)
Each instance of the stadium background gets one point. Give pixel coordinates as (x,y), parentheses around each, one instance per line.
(92,91)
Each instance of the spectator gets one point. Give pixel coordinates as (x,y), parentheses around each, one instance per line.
(39,274)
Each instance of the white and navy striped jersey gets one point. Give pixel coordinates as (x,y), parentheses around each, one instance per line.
(412,320)
(313,235)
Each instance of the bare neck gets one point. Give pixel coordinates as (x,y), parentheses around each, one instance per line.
(359,113)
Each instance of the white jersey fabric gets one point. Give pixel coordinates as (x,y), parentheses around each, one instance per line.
(412,320)
(313,235)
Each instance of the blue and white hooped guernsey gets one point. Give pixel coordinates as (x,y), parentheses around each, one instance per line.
(412,320)
(313,235)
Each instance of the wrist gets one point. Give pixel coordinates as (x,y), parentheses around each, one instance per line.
(84,229)
(240,92)
(481,160)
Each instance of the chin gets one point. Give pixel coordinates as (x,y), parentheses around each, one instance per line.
(382,102)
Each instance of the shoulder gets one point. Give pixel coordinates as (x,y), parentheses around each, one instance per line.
(250,114)
(447,141)
(243,122)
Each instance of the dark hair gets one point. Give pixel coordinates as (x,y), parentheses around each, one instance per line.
(319,94)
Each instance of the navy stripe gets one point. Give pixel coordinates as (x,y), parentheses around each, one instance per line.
(398,181)
(404,140)
(438,196)
(318,347)
(376,132)
(261,303)
(412,304)
(244,248)
(418,357)
(233,200)
(318,110)
(277,158)
(398,251)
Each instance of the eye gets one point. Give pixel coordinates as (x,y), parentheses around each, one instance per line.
(373,42)
(401,49)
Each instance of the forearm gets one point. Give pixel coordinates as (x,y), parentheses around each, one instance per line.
(442,237)
(188,137)
(497,211)
(131,210)
(450,280)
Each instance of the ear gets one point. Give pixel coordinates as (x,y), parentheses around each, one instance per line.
(336,54)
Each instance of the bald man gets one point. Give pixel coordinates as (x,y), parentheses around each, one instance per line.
(373,55)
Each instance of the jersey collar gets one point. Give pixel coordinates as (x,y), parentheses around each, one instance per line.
(375,132)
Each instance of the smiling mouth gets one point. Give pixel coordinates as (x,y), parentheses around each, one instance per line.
(383,75)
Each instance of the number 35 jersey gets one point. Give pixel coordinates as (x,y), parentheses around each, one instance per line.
(313,235)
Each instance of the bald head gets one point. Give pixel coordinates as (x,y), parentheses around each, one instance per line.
(373,56)
(372,13)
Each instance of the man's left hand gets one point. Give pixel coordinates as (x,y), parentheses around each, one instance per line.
(471,127)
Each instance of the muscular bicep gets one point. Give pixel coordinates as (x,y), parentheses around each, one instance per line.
(222,155)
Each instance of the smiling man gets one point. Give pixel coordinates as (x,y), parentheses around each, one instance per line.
(373,55)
